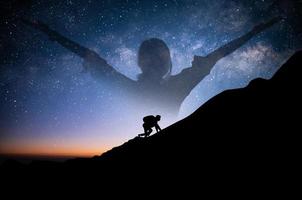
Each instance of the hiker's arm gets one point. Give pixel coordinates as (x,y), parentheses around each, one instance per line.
(157,128)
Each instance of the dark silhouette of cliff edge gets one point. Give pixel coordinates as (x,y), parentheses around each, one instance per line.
(250,127)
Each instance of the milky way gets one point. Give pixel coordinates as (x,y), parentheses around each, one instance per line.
(50,105)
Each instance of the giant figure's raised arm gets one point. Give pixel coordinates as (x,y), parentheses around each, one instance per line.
(237,43)
(97,63)
(55,36)
(202,66)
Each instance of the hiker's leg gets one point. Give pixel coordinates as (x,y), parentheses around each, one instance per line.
(145,127)
(148,132)
(145,130)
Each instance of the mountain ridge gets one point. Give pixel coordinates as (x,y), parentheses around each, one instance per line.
(252,129)
(282,83)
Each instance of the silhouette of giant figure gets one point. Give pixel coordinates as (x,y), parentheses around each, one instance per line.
(155,87)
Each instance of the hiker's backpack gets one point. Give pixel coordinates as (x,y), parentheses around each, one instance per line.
(149,119)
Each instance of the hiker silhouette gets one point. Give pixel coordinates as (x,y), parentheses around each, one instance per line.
(155,87)
(150,122)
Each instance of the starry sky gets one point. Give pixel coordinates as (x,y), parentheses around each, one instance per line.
(49,105)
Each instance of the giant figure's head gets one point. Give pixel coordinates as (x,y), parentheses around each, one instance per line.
(154,59)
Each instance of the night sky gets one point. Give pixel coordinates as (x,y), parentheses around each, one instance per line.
(49,104)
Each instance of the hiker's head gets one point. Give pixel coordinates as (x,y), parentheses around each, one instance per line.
(157,117)
(154,59)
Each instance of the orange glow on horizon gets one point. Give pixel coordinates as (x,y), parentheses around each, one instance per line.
(52,153)
(81,143)
(54,148)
